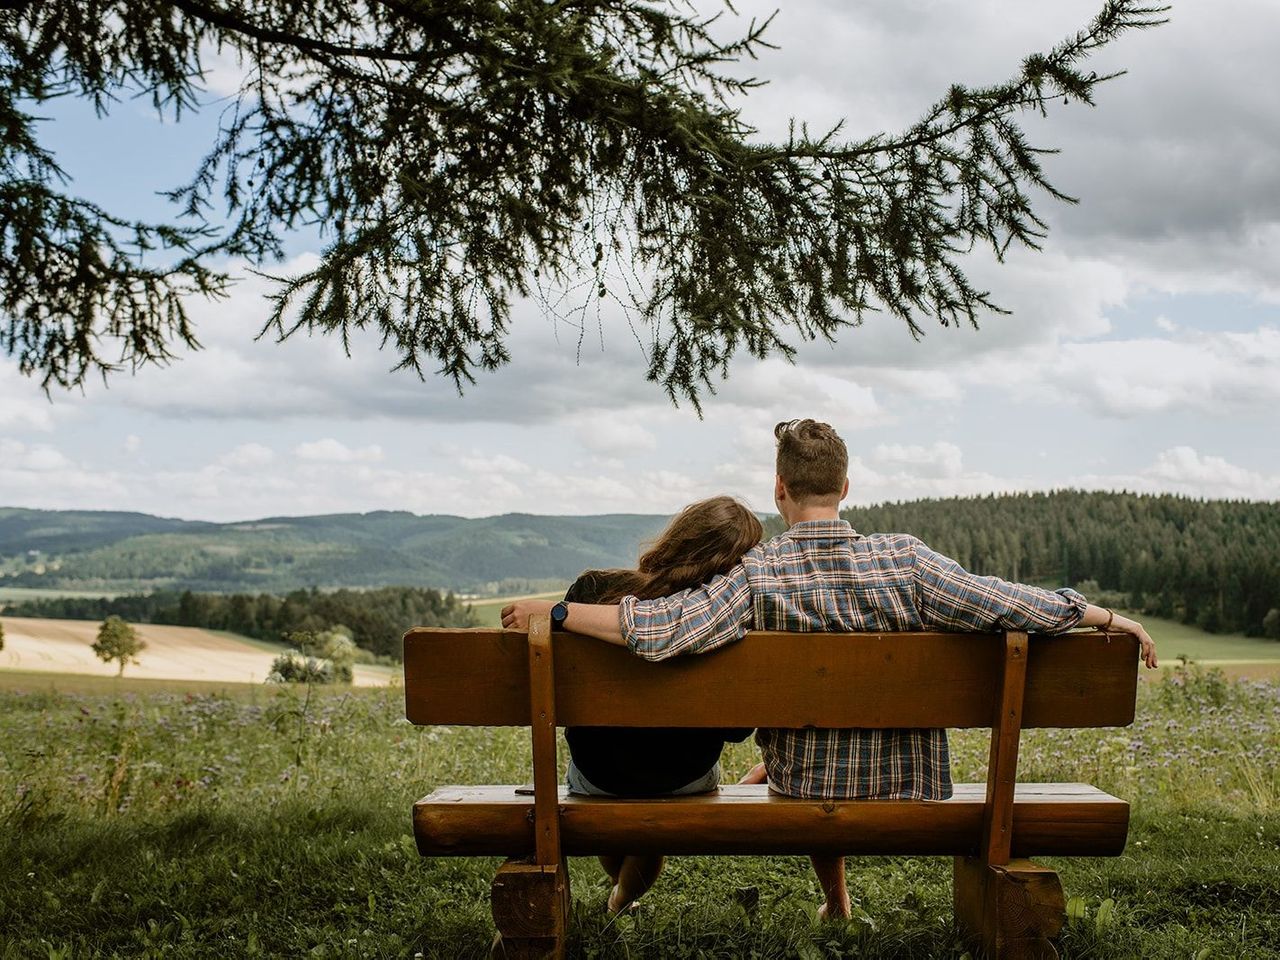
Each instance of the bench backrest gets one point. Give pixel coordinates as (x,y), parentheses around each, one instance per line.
(481,677)
(1001,681)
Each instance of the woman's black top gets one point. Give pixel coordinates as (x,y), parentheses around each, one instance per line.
(641,761)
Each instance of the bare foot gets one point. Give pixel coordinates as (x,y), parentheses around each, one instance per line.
(616,904)
(841,914)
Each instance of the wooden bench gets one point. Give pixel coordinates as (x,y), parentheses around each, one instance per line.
(1008,905)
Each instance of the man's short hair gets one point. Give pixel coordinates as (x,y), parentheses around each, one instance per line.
(813,461)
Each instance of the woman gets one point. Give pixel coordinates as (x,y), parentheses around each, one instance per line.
(705,539)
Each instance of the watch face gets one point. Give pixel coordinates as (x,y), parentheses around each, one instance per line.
(559,613)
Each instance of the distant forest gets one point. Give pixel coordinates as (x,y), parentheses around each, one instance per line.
(1215,564)
(377,618)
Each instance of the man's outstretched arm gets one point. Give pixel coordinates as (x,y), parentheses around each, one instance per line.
(948,595)
(599,620)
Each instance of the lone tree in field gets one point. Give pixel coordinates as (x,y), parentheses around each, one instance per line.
(460,154)
(118,641)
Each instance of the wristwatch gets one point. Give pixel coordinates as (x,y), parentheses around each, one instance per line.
(559,613)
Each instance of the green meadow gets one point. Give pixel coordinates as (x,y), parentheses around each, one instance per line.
(489,612)
(175,820)
(1174,639)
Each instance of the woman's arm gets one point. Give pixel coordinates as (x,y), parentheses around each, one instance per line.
(1102,617)
(599,620)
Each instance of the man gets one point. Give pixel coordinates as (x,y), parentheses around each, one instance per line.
(821,575)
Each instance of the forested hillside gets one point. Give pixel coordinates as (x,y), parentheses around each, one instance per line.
(1215,564)
(133,552)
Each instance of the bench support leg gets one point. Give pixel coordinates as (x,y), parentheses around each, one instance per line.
(531,910)
(1011,912)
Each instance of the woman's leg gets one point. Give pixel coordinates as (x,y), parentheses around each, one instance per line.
(612,866)
(635,876)
(830,871)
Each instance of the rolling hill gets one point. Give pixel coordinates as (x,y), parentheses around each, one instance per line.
(136,552)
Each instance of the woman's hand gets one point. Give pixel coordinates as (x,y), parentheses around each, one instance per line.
(515,616)
(1148,651)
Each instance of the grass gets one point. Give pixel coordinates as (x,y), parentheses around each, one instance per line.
(1176,639)
(489,612)
(58,682)
(161,820)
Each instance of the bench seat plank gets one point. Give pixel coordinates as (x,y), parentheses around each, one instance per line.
(1048,818)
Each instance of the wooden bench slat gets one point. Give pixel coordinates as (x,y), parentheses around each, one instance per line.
(481,677)
(1049,818)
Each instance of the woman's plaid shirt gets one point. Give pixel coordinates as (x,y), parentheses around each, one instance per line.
(821,575)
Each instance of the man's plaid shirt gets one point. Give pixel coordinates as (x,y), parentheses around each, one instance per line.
(823,576)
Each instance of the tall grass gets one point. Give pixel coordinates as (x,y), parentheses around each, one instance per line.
(191,825)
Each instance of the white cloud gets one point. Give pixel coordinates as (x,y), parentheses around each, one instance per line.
(1183,467)
(22,406)
(224,70)
(330,450)
(132,444)
(937,460)
(247,455)
(1184,470)
(613,434)
(1212,373)
(40,458)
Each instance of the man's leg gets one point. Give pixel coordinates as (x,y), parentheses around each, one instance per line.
(830,871)
(635,876)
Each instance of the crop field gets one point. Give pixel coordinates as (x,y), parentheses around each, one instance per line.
(172,653)
(143,821)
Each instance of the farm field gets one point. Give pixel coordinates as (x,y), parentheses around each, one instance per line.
(19,594)
(172,653)
(163,823)
(489,612)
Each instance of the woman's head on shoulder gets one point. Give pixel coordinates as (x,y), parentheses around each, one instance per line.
(706,538)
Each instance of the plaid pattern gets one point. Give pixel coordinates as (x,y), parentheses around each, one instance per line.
(823,576)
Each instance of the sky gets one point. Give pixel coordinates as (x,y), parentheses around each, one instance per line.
(1142,352)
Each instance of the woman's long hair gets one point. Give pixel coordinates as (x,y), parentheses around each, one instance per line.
(704,539)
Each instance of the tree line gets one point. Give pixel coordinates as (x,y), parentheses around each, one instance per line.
(376,619)
(1214,564)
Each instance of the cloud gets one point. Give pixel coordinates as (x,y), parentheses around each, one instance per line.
(1175,166)
(1211,373)
(329,450)
(1184,470)
(247,455)
(22,406)
(41,458)
(937,460)
(611,434)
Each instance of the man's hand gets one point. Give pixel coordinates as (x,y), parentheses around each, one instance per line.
(515,616)
(756,775)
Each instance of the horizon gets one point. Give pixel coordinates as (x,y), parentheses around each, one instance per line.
(844,506)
